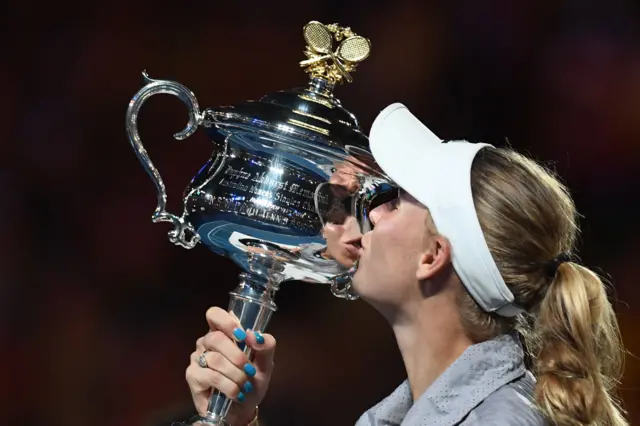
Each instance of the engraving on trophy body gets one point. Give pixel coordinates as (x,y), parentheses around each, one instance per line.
(268,190)
(253,198)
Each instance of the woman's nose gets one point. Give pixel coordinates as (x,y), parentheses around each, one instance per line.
(375,215)
(351,232)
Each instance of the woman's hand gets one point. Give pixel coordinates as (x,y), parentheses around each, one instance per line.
(229,369)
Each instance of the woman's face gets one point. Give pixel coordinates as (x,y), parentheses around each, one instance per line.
(392,252)
(389,255)
(392,256)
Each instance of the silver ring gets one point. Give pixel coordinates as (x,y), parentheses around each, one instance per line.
(202,360)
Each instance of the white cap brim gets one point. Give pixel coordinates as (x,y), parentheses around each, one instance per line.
(438,175)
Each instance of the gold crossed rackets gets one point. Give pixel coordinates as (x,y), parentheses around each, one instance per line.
(350,51)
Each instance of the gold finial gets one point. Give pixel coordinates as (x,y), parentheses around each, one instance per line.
(323,62)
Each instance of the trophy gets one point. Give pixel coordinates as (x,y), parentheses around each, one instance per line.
(265,194)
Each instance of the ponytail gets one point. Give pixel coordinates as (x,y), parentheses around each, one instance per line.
(570,330)
(577,351)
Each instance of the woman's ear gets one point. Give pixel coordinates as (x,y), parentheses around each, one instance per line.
(435,258)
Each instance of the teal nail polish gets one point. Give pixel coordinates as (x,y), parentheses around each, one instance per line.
(259,338)
(240,397)
(248,387)
(239,334)
(250,370)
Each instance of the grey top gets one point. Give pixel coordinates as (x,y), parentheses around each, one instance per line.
(487,385)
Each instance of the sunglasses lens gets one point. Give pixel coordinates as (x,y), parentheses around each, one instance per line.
(335,203)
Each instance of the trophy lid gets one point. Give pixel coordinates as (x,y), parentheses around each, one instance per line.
(310,113)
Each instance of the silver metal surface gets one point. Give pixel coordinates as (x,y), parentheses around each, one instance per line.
(252,303)
(279,168)
(182,233)
(341,285)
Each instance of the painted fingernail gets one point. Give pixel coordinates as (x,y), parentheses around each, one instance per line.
(248,387)
(250,370)
(259,338)
(239,334)
(240,397)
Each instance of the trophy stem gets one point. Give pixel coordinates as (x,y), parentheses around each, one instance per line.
(252,303)
(321,86)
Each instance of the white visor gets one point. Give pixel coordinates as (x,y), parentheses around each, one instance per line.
(438,175)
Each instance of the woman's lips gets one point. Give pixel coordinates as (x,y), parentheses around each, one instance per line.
(353,251)
(353,248)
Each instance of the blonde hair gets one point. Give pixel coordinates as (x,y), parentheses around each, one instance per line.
(570,330)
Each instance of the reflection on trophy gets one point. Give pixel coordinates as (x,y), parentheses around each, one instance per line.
(269,186)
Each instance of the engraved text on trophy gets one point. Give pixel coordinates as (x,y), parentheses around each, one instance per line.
(256,189)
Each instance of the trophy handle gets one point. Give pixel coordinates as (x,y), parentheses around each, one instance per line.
(183,233)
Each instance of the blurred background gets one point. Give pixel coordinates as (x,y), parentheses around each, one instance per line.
(100,312)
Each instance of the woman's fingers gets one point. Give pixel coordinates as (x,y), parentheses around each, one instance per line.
(202,380)
(219,319)
(264,349)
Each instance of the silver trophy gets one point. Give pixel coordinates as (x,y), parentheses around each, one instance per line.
(270,185)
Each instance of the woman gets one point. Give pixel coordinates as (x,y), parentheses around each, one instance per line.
(474,256)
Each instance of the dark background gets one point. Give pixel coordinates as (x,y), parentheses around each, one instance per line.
(100,312)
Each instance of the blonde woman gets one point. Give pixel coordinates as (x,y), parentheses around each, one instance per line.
(474,257)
